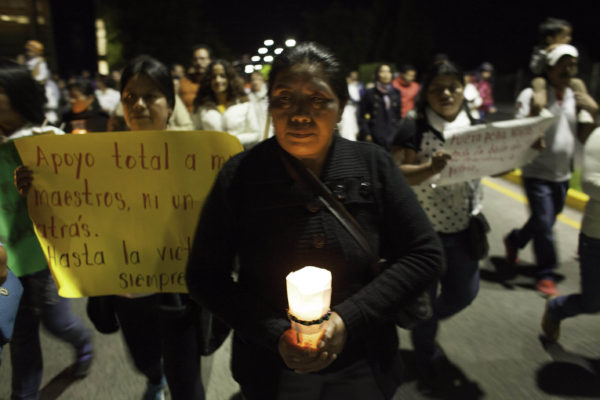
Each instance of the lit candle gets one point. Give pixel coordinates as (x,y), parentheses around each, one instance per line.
(309,298)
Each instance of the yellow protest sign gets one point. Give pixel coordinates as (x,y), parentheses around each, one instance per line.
(116,212)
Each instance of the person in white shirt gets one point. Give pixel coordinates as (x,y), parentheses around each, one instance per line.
(546,178)
(222,105)
(260,102)
(108,97)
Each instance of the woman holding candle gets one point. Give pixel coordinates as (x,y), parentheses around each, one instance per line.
(260,212)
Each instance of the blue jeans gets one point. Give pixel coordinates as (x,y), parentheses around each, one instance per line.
(588,301)
(546,201)
(41,303)
(459,286)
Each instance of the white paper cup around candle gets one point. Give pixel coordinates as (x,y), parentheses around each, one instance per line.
(309,298)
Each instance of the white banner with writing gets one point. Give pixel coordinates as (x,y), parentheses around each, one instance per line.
(489,149)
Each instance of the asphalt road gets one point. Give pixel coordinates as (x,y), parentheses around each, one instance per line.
(493,347)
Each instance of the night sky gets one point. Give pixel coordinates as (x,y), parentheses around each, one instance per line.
(396,31)
(470,32)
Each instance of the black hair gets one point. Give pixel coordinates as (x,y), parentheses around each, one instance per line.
(312,53)
(202,46)
(552,27)
(407,67)
(83,85)
(27,96)
(153,69)
(376,73)
(440,57)
(436,69)
(106,80)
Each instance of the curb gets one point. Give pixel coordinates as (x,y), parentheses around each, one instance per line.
(575,199)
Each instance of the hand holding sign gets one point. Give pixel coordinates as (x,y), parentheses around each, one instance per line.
(439,160)
(23,179)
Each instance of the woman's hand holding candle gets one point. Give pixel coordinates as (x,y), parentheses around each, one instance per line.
(304,359)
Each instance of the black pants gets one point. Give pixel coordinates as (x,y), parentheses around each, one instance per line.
(162,345)
(353,382)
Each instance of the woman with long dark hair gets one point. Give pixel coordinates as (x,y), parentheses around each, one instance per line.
(222,105)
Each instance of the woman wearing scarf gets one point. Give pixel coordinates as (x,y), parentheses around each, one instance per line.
(380,110)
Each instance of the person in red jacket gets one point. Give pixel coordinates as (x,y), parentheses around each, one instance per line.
(405,83)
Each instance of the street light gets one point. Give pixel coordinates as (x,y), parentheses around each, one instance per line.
(263,50)
(258,67)
(268,59)
(255,58)
(269,42)
(290,43)
(278,50)
(248,69)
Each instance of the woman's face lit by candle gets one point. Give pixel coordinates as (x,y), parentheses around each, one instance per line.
(305,111)
(79,102)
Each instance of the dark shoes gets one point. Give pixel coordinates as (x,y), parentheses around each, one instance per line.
(550,326)
(512,253)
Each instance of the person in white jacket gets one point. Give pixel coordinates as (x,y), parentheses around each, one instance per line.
(222,105)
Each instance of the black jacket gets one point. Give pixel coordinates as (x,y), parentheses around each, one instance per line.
(375,120)
(257,212)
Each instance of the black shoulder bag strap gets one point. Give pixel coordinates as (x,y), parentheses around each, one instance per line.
(417,309)
(333,204)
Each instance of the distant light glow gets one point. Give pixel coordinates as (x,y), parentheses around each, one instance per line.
(290,43)
(269,42)
(249,68)
(103,67)
(255,58)
(258,67)
(19,19)
(263,50)
(278,50)
(268,59)
(101,37)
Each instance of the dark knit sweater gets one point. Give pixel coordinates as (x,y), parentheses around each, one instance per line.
(275,226)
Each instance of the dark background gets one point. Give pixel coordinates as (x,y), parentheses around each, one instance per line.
(359,32)
(399,31)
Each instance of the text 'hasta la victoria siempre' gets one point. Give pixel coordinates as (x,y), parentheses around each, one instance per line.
(116,212)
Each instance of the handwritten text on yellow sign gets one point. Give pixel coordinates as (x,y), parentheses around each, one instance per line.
(116,212)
